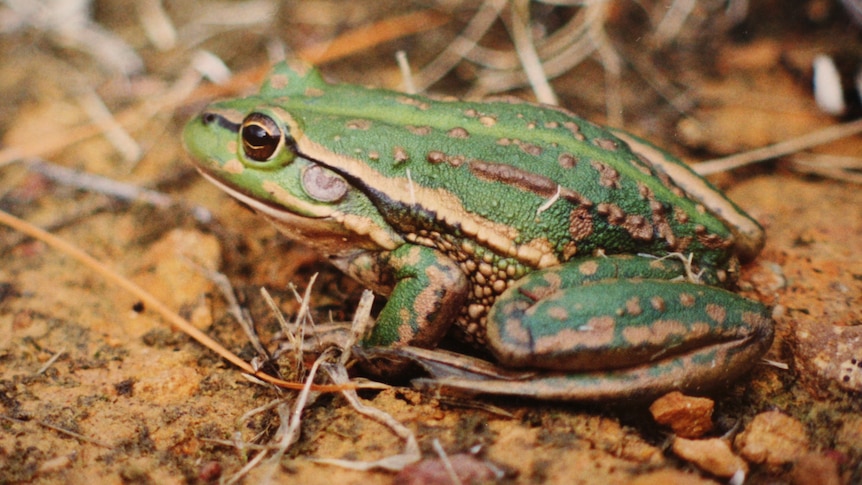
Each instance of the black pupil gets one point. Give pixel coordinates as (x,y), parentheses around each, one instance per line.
(261,137)
(256,136)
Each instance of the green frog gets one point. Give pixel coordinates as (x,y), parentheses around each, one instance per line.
(586,262)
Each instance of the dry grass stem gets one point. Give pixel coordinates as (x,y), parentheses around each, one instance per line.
(113,188)
(444,458)
(362,321)
(775,363)
(295,342)
(681,100)
(672,22)
(282,322)
(235,310)
(303,316)
(847,169)
(534,60)
(288,430)
(527,53)
(374,34)
(406,73)
(211,67)
(69,24)
(47,365)
(291,421)
(251,465)
(77,436)
(260,409)
(220,17)
(461,45)
(157,24)
(820,137)
(129,119)
(611,62)
(410,454)
(112,130)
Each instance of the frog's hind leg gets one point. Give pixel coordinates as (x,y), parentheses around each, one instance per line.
(694,373)
(625,328)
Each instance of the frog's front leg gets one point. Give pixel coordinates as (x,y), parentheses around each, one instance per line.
(620,326)
(426,291)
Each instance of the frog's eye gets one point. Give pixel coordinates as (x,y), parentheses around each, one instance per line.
(261,137)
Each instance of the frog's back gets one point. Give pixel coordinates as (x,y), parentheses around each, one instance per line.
(528,181)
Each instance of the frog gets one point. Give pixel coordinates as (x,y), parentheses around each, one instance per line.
(581,263)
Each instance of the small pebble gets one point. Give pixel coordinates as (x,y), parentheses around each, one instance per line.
(850,377)
(667,476)
(688,417)
(431,471)
(712,455)
(210,471)
(774,439)
(815,468)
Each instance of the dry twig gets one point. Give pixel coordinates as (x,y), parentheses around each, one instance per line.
(826,135)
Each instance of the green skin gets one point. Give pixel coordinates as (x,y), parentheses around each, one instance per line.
(536,233)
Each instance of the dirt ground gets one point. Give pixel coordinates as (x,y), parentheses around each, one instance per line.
(96,388)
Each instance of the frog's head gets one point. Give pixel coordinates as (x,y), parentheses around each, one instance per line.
(248,148)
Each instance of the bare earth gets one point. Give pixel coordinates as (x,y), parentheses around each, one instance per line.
(131,401)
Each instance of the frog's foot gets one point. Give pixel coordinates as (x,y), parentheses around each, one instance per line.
(455,374)
(688,374)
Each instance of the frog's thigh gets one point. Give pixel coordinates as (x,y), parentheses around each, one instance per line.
(617,324)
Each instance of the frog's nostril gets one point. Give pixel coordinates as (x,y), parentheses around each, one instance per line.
(209,118)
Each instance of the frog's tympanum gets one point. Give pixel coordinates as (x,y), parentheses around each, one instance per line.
(587,261)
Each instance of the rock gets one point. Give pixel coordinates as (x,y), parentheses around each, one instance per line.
(665,476)
(688,417)
(815,468)
(711,455)
(850,377)
(826,351)
(773,438)
(431,471)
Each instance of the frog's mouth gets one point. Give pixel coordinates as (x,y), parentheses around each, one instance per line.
(267,208)
(327,232)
